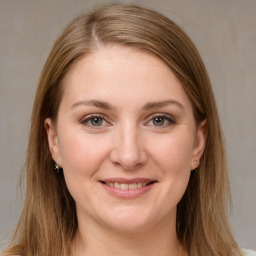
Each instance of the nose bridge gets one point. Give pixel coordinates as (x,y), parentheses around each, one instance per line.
(128,150)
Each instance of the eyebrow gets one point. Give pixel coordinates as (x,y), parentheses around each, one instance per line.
(96,103)
(160,104)
(146,107)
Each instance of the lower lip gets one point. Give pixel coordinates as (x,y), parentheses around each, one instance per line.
(128,193)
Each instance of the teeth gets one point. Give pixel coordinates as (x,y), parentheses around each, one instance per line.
(133,186)
(126,186)
(117,185)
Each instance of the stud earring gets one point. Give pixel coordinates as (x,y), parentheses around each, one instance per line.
(57,168)
(196,164)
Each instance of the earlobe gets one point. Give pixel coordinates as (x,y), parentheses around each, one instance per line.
(52,140)
(200,142)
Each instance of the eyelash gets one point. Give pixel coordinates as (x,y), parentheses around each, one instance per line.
(167,118)
(90,117)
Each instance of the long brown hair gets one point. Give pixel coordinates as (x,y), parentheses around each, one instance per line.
(48,221)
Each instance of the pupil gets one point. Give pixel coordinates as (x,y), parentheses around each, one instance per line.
(158,121)
(96,121)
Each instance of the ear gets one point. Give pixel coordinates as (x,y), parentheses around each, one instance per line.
(53,141)
(199,146)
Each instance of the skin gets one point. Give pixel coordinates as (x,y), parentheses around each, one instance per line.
(133,140)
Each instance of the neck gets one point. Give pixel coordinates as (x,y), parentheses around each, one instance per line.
(94,240)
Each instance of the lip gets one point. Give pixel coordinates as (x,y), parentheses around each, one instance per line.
(128,193)
(127,181)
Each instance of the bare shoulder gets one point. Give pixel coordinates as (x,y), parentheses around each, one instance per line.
(247,252)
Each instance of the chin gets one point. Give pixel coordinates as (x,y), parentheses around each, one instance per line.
(130,220)
(129,227)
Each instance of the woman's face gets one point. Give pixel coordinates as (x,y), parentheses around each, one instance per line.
(126,139)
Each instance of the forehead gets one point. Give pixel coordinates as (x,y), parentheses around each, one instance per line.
(118,72)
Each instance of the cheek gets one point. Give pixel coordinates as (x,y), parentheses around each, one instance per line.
(173,153)
(81,154)
(173,158)
(81,157)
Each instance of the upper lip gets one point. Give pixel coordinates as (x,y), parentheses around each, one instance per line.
(128,181)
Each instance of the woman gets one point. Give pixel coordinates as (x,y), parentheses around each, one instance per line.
(125,111)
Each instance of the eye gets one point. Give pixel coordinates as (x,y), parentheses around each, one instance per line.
(160,120)
(94,121)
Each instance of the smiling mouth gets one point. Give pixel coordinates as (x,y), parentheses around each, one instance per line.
(127,186)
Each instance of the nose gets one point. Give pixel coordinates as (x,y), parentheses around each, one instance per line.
(128,150)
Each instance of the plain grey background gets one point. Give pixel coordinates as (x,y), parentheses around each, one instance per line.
(225,34)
